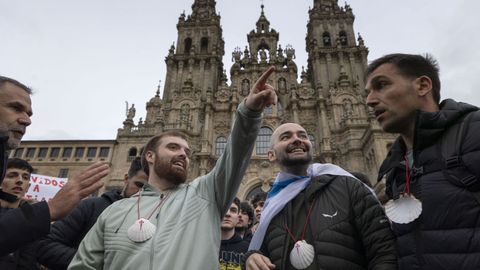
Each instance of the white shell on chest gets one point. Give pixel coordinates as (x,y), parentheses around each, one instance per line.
(403,210)
(302,255)
(141,230)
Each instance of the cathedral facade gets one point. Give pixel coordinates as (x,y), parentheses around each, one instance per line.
(328,98)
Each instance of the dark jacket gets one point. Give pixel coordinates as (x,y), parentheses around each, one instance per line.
(21,258)
(22,225)
(231,252)
(4,157)
(447,233)
(347,227)
(58,248)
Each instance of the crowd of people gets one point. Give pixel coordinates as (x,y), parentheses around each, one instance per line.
(315,216)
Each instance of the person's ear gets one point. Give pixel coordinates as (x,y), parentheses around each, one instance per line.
(271,155)
(423,85)
(125,178)
(150,156)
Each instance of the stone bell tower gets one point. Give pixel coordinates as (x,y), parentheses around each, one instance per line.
(350,136)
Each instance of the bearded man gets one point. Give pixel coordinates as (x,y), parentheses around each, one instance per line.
(317,216)
(172,224)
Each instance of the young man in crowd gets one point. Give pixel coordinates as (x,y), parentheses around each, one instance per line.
(245,221)
(13,189)
(232,246)
(257,201)
(432,167)
(57,249)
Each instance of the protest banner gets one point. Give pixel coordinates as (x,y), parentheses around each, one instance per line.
(43,188)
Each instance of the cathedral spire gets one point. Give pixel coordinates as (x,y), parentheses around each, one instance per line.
(203,9)
(263,25)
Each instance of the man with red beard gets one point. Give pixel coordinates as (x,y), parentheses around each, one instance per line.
(317,216)
(172,224)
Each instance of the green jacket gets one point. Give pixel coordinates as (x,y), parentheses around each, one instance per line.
(188,223)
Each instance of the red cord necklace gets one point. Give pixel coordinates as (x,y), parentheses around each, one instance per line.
(408,175)
(302,253)
(143,229)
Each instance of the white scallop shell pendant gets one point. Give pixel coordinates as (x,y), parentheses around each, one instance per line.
(403,210)
(302,255)
(141,230)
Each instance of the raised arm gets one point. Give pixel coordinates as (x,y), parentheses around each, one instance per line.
(232,164)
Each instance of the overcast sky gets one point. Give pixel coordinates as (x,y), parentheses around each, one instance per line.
(84,59)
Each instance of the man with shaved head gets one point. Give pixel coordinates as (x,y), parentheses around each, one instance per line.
(317,216)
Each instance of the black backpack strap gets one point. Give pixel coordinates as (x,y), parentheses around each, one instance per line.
(450,150)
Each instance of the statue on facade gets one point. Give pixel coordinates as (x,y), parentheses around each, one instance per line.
(347,107)
(263,55)
(131,112)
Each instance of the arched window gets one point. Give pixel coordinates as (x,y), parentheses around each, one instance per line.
(263,141)
(204,45)
(188,45)
(314,143)
(132,152)
(343,38)
(327,41)
(220,144)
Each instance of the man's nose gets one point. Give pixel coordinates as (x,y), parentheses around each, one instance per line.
(371,100)
(25,120)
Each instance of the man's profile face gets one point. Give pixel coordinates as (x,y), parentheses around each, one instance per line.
(15,112)
(171,160)
(290,146)
(134,184)
(393,98)
(230,220)
(16,182)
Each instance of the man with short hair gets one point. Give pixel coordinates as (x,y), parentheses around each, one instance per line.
(245,221)
(13,188)
(232,246)
(30,222)
(433,166)
(172,224)
(58,248)
(317,216)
